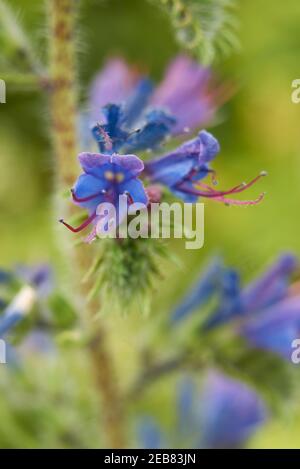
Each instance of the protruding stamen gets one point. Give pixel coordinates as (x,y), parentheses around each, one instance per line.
(82,226)
(106,138)
(131,201)
(227,201)
(235,190)
(85,199)
(196,170)
(210,193)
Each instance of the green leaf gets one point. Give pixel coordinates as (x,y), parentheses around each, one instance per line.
(207,28)
(15,42)
(63,313)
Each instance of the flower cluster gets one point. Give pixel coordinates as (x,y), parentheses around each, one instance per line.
(128,116)
(266,312)
(224,414)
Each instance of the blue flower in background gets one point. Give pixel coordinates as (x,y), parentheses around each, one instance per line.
(183,101)
(5,276)
(267,309)
(37,283)
(188,430)
(224,414)
(149,434)
(237,302)
(202,291)
(231,412)
(275,328)
(113,137)
(40,276)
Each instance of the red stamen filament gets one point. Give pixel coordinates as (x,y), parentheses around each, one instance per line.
(130,199)
(106,138)
(80,227)
(210,193)
(236,189)
(85,199)
(219,195)
(240,202)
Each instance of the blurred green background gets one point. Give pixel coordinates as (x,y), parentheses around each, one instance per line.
(258,130)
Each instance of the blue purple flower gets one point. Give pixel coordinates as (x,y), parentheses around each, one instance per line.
(268,310)
(267,290)
(186,91)
(225,413)
(104,179)
(149,434)
(129,116)
(37,282)
(184,94)
(231,412)
(183,169)
(275,328)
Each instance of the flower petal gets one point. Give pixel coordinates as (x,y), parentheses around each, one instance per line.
(92,162)
(86,186)
(156,128)
(136,190)
(113,84)
(131,164)
(231,411)
(137,102)
(184,92)
(209,147)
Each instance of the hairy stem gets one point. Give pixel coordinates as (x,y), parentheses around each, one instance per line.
(63,104)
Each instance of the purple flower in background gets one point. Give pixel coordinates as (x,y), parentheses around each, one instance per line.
(113,84)
(185,92)
(235,301)
(271,287)
(40,276)
(267,309)
(201,292)
(231,412)
(149,434)
(137,116)
(224,414)
(20,306)
(105,178)
(5,276)
(37,283)
(275,328)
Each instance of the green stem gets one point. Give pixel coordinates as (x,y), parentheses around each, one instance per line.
(63,106)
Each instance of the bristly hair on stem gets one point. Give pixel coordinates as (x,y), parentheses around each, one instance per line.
(63,106)
(207,28)
(124,270)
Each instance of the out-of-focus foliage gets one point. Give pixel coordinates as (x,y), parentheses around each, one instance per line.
(206,27)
